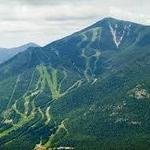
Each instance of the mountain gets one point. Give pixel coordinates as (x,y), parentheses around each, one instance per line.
(87,91)
(7,53)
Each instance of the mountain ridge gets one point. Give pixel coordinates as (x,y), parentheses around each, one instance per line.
(7,53)
(85,91)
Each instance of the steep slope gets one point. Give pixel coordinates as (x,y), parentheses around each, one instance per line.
(89,90)
(6,54)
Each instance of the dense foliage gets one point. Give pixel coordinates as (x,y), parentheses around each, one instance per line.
(90,90)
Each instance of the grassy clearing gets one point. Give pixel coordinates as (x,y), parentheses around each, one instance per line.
(51,79)
(53,84)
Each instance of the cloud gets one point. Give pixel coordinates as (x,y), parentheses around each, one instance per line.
(43,21)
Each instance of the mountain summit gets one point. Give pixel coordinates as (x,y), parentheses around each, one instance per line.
(87,91)
(7,53)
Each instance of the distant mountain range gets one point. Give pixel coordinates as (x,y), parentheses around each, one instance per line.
(7,53)
(87,91)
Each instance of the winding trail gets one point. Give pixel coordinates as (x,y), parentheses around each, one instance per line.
(55,88)
(64,78)
(54,85)
(90,72)
(48,116)
(13,92)
(77,84)
(41,112)
(48,144)
(28,114)
(28,97)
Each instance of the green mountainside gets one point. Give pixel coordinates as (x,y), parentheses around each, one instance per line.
(87,91)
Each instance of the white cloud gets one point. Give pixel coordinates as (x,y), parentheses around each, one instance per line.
(43,21)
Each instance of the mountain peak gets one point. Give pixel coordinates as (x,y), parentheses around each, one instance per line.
(31,44)
(111,20)
(51,93)
(6,53)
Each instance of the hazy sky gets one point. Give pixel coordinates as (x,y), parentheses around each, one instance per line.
(42,21)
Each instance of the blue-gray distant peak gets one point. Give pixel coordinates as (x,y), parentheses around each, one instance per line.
(6,53)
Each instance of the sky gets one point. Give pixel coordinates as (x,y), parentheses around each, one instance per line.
(43,21)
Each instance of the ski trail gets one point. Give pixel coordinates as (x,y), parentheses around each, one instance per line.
(97,56)
(95,35)
(32,76)
(87,65)
(26,105)
(84,39)
(25,117)
(13,92)
(77,83)
(28,98)
(41,112)
(52,81)
(39,145)
(79,71)
(61,126)
(48,116)
(89,72)
(94,81)
(14,107)
(64,78)
(33,106)
(54,85)
(117,40)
